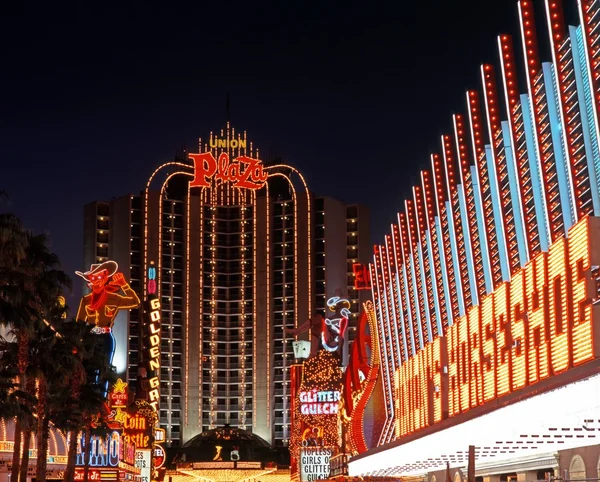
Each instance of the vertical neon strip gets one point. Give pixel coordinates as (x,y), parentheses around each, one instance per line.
(568,111)
(387,290)
(535,168)
(255,313)
(519,221)
(423,277)
(459,283)
(213,302)
(587,115)
(487,269)
(187,310)
(590,31)
(407,298)
(439,185)
(462,203)
(390,303)
(433,250)
(412,260)
(540,121)
(201,308)
(401,320)
(468,220)
(242,315)
(566,196)
(518,146)
(396,314)
(453,177)
(386,359)
(268,310)
(497,215)
(489,243)
(438,315)
(448,301)
(424,268)
(496,160)
(400,305)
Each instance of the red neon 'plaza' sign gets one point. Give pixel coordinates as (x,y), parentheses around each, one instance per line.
(242,171)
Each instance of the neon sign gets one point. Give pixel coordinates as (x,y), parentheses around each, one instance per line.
(317,403)
(138,425)
(227,143)
(104,451)
(154,318)
(539,325)
(362,276)
(110,293)
(242,172)
(335,328)
(118,395)
(151,279)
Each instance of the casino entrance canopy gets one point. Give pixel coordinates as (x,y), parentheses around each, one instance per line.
(563,418)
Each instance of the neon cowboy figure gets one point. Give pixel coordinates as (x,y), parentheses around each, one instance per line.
(101,305)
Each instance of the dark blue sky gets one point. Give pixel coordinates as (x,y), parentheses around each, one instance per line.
(354,94)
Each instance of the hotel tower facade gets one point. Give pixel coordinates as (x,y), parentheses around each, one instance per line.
(240,251)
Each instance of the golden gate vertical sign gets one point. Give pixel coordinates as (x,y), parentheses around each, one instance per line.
(541,324)
(152,311)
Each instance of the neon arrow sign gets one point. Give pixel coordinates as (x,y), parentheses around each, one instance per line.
(242,171)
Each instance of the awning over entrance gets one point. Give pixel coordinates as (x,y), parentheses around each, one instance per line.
(556,420)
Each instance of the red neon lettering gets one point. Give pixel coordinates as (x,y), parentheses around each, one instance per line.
(205,166)
(242,172)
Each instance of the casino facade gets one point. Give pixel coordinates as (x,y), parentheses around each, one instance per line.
(486,290)
(224,251)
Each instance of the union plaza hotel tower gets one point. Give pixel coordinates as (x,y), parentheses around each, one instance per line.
(241,250)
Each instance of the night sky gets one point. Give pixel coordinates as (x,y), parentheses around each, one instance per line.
(355,95)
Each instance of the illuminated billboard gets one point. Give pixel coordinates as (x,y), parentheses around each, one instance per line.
(152,338)
(540,324)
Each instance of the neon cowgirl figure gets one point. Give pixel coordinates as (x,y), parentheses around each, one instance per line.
(100,307)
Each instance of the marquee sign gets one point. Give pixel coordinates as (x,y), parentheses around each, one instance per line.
(314,463)
(541,324)
(243,171)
